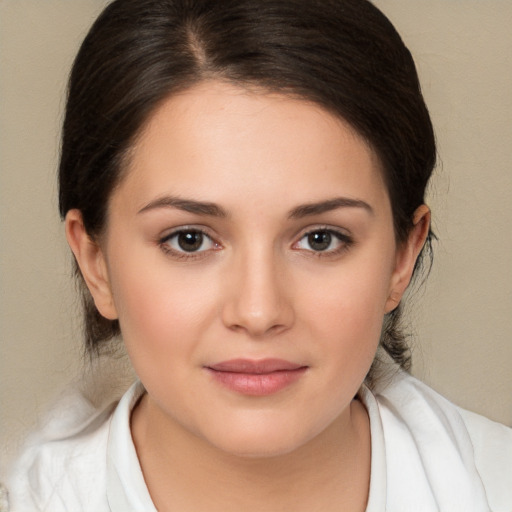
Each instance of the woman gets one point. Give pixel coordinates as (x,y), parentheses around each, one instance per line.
(243,190)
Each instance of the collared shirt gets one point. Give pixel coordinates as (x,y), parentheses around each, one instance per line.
(426,455)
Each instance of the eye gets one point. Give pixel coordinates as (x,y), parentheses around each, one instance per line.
(324,240)
(187,241)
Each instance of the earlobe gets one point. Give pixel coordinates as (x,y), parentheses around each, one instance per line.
(91,260)
(407,255)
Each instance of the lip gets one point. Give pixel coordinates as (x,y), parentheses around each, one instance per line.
(256,377)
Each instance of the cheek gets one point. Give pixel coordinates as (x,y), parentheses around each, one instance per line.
(347,315)
(353,297)
(161,309)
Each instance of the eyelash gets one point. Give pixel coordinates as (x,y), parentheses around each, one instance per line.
(186,255)
(345,241)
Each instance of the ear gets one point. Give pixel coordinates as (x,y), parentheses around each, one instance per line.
(406,257)
(91,260)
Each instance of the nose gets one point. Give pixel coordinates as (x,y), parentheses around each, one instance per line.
(258,300)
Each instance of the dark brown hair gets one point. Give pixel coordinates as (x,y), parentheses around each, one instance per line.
(344,55)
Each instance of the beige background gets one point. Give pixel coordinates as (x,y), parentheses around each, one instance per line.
(463,320)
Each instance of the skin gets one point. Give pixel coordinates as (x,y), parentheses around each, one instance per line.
(257,288)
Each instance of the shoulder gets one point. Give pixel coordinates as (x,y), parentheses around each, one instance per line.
(492,445)
(63,464)
(457,452)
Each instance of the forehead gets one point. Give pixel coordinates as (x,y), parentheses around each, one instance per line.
(217,139)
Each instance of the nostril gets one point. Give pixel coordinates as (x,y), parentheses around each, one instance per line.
(258,332)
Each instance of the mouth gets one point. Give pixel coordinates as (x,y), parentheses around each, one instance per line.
(256,377)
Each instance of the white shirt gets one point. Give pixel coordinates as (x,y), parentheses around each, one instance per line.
(427,455)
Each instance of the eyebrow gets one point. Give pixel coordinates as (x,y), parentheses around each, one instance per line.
(306,210)
(214,210)
(187,205)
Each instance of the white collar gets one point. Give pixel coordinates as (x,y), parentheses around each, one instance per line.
(412,430)
(126,488)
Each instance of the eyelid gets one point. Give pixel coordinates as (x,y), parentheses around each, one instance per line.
(168,233)
(342,232)
(345,238)
(163,242)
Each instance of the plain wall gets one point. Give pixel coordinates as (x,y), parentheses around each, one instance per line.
(462,321)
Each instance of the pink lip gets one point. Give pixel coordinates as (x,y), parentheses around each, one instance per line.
(256,377)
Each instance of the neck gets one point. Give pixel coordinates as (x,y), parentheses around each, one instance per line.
(184,472)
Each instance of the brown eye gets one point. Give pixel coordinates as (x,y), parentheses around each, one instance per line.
(190,241)
(320,240)
(324,241)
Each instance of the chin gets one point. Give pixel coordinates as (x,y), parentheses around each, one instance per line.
(260,440)
(259,448)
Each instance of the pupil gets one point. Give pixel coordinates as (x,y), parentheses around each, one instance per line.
(320,240)
(190,241)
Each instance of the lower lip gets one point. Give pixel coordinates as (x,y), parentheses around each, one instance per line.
(258,384)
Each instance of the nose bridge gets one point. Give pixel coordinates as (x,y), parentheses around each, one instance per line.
(257,302)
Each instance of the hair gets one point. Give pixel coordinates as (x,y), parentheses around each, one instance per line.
(343,55)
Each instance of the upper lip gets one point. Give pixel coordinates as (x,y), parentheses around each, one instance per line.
(260,366)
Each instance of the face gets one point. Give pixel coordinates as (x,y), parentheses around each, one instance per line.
(250,257)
